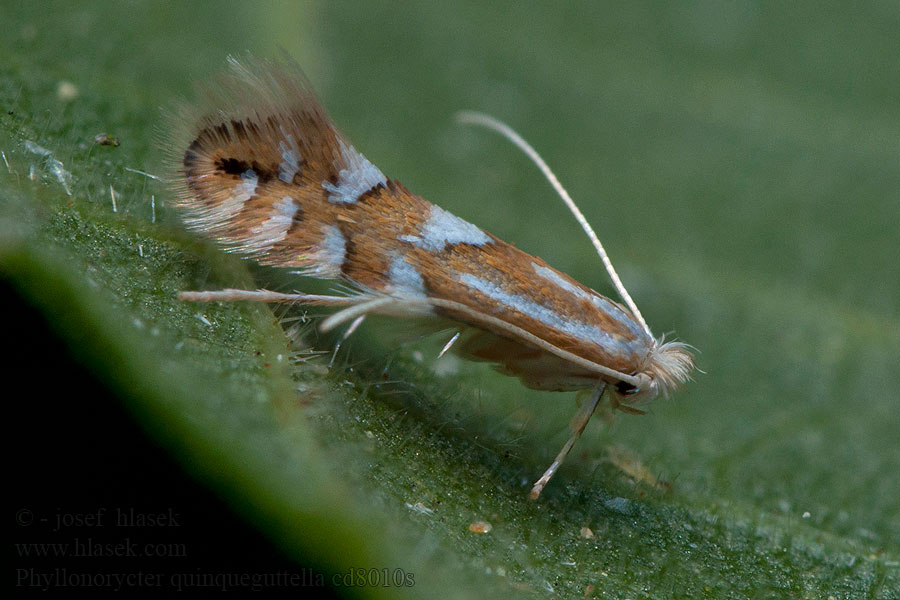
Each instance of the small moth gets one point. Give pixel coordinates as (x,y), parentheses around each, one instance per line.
(262,170)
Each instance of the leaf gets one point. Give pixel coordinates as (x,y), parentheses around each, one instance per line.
(741,167)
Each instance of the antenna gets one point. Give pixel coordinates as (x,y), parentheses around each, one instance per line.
(477,118)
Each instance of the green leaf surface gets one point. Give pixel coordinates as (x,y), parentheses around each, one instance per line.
(742,165)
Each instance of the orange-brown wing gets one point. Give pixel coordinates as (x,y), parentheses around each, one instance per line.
(262,166)
(268,175)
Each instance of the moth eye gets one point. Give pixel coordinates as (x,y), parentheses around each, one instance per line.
(626,389)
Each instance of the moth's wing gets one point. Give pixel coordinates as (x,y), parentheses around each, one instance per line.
(536,368)
(253,159)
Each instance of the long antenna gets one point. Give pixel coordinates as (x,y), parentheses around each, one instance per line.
(477,118)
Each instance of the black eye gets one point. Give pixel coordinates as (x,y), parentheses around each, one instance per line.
(625,388)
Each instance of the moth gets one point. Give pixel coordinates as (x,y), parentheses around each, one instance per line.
(263,171)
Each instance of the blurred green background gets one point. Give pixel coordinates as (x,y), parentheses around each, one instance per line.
(741,162)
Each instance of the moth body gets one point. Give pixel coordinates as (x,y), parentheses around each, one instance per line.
(268,175)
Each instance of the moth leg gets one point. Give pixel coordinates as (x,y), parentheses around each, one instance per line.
(449,344)
(361,306)
(356,323)
(578,423)
(353,326)
(233,295)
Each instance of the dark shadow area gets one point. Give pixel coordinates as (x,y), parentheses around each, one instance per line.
(99,505)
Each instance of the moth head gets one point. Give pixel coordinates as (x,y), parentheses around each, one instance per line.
(668,365)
